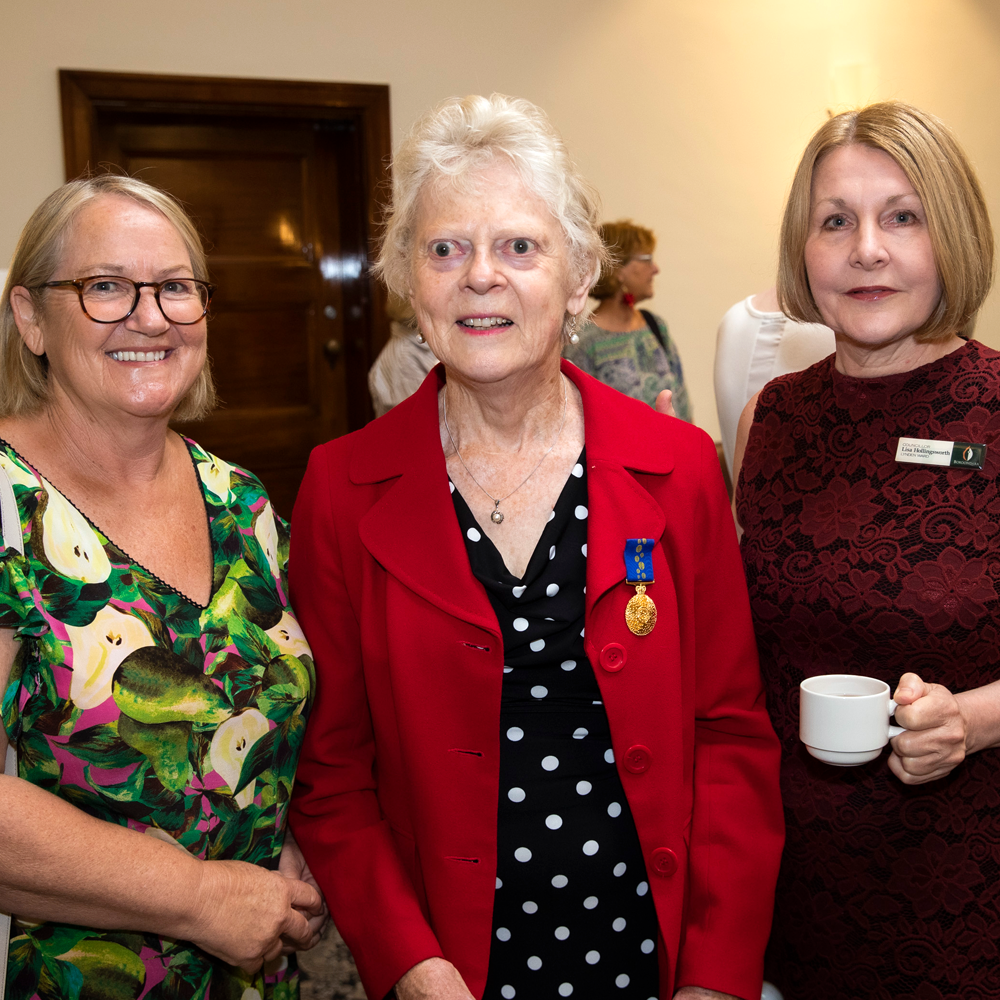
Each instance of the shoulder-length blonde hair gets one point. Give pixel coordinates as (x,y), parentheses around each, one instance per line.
(461,137)
(958,221)
(24,377)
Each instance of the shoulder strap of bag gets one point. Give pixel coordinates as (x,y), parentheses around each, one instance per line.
(10,532)
(11,768)
(653,325)
(4,946)
(10,521)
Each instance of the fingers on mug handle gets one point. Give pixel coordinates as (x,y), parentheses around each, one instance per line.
(894,730)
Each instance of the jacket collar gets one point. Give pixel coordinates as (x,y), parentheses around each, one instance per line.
(617,429)
(623,436)
(412,529)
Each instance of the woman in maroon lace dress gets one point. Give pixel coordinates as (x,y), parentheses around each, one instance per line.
(859,563)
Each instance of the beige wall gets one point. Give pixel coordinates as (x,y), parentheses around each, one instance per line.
(689,115)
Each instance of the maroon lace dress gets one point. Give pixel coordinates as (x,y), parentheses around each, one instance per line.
(859,564)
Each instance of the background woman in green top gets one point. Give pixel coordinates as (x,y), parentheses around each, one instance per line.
(625,347)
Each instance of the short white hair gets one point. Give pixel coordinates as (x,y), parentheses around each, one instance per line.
(463,136)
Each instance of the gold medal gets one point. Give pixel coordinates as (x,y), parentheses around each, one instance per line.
(640,612)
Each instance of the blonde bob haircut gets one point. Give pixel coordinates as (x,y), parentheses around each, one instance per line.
(957,218)
(24,377)
(623,239)
(459,139)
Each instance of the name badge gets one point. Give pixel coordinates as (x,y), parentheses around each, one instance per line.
(952,454)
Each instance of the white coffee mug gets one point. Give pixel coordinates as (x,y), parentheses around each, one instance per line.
(844,718)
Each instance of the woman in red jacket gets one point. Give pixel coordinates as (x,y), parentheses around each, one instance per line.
(539,763)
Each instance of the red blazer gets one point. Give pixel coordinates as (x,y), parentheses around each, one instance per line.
(395,805)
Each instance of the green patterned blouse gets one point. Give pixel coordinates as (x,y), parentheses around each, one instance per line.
(145,709)
(635,363)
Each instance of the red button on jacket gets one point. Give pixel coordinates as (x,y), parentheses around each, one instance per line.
(613,657)
(664,862)
(637,759)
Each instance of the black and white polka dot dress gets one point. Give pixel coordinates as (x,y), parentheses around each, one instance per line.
(573,916)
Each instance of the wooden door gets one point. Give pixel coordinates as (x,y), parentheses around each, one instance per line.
(285,200)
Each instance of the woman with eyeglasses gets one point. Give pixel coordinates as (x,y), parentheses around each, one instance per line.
(625,347)
(154,682)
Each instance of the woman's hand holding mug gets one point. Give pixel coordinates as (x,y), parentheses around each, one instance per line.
(936,737)
(844,718)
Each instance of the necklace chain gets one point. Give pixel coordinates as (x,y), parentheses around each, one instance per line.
(497,516)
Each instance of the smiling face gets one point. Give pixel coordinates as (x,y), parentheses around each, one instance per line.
(868,255)
(491,277)
(96,366)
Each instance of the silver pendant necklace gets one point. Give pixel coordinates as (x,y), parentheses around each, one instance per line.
(497,516)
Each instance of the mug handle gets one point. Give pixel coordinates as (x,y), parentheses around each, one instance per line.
(894,730)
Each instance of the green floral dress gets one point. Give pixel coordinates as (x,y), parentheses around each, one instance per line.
(145,709)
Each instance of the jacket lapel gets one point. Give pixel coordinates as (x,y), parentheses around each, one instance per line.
(413,532)
(617,431)
(619,509)
(412,529)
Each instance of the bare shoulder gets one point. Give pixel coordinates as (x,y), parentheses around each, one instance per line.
(19,432)
(746,417)
(766,301)
(742,434)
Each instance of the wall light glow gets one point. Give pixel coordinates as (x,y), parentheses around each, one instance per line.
(340,268)
(286,233)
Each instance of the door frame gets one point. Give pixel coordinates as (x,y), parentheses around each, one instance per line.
(84,92)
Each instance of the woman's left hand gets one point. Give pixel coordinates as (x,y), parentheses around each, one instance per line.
(665,404)
(936,740)
(292,864)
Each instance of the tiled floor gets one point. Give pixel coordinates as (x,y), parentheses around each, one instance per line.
(328,971)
